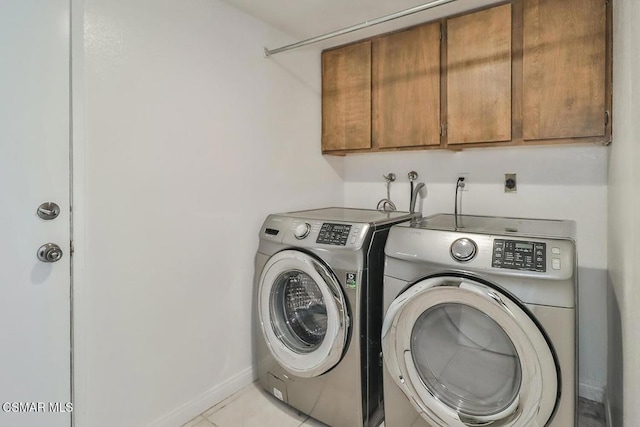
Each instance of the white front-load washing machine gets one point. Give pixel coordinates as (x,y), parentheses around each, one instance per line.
(480,323)
(318,296)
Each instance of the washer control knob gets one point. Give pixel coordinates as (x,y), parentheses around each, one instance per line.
(302,231)
(463,249)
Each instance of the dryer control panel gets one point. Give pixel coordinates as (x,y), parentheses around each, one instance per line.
(519,255)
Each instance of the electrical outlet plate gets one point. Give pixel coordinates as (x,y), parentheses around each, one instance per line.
(464,175)
(510,183)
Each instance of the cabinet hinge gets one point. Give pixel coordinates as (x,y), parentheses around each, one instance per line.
(606,118)
(443,129)
(71,248)
(443,34)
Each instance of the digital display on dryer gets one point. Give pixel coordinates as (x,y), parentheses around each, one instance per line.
(525,246)
(519,255)
(334,234)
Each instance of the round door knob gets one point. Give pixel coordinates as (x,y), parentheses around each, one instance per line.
(49,252)
(463,249)
(302,231)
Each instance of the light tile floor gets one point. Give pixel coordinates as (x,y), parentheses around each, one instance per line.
(253,407)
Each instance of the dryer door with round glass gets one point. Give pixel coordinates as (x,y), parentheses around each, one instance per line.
(467,354)
(303,313)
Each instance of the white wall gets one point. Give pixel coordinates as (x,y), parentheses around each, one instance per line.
(568,182)
(624,208)
(185,139)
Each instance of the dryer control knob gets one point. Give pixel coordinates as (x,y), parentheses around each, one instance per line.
(463,249)
(302,231)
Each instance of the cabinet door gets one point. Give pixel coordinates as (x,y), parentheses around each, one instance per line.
(479,76)
(406,88)
(346,98)
(564,68)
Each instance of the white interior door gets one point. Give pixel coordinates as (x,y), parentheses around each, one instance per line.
(35,373)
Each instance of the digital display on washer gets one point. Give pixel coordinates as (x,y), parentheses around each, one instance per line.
(519,255)
(334,234)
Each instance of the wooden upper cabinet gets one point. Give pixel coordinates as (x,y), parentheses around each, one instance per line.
(479,76)
(564,68)
(346,97)
(524,72)
(406,88)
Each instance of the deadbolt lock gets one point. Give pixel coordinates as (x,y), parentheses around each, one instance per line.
(48,210)
(49,252)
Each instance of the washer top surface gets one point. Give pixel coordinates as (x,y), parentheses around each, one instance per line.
(328,228)
(549,228)
(369,216)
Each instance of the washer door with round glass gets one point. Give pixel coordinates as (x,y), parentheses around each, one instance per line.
(466,354)
(303,313)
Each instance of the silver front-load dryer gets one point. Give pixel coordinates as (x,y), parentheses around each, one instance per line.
(479,325)
(318,296)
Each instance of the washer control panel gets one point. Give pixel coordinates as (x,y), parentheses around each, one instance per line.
(313,233)
(519,255)
(334,234)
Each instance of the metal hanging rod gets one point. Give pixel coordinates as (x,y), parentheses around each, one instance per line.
(382,19)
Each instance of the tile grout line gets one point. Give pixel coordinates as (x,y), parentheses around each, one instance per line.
(304,421)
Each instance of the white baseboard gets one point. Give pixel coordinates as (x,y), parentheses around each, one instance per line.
(200,404)
(589,391)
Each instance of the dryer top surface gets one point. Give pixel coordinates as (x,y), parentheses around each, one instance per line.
(541,228)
